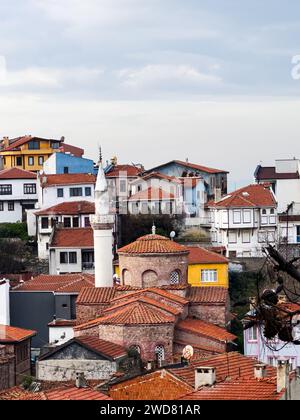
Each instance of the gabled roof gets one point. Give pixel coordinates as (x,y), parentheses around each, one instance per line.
(153,244)
(198,327)
(68,283)
(19,141)
(143,299)
(208,295)
(200,255)
(130,170)
(238,389)
(136,313)
(159,175)
(68,208)
(96,295)
(228,366)
(67,179)
(156,291)
(72,238)
(151,194)
(161,385)
(10,334)
(252,196)
(103,348)
(16,173)
(189,165)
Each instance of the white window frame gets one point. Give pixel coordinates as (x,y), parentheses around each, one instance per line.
(237,221)
(209,276)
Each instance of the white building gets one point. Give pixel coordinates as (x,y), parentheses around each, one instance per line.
(18,193)
(270,351)
(244,221)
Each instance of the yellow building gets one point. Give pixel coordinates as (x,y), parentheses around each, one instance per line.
(206,268)
(30,153)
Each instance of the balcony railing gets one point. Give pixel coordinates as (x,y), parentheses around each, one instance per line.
(88,266)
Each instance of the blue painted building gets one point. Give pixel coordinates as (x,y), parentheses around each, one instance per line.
(64,163)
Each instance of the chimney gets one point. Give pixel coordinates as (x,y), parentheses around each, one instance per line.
(260,371)
(80,380)
(205,376)
(4,302)
(283,368)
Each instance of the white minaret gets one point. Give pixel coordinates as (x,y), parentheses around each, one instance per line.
(102,224)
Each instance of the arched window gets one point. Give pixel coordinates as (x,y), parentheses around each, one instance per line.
(175,277)
(126,278)
(264,211)
(149,279)
(160,353)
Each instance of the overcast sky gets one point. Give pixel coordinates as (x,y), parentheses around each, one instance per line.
(155,80)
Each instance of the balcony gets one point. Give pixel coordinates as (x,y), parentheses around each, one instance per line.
(88,266)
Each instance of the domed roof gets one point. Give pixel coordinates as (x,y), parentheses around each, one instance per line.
(153,244)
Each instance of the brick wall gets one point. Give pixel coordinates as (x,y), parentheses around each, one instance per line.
(190,338)
(85,313)
(216,314)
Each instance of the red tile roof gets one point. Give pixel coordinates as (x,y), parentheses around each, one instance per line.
(151,194)
(143,299)
(68,283)
(228,366)
(153,244)
(137,313)
(239,389)
(62,323)
(68,148)
(130,170)
(76,394)
(156,291)
(10,334)
(69,208)
(103,347)
(159,175)
(200,255)
(268,173)
(72,238)
(250,196)
(207,295)
(194,166)
(96,295)
(19,141)
(161,385)
(67,179)
(206,329)
(16,173)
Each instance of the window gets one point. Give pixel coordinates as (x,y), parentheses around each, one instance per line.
(272,211)
(29,188)
(31,161)
(66,169)
(33,145)
(73,257)
(232,237)
(6,189)
(247,216)
(11,206)
(64,258)
(160,354)
(45,223)
(55,144)
(19,161)
(75,222)
(246,237)
(236,216)
(67,222)
(175,277)
(88,191)
(225,217)
(145,208)
(87,222)
(252,334)
(75,192)
(60,192)
(41,160)
(123,186)
(1,206)
(209,276)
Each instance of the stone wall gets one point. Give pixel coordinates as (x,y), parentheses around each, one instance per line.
(160,267)
(216,314)
(198,340)
(7,368)
(65,370)
(85,313)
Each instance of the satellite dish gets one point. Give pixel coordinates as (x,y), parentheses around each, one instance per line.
(188,352)
(172,234)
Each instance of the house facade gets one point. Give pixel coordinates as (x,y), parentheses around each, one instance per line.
(245,221)
(66,163)
(18,193)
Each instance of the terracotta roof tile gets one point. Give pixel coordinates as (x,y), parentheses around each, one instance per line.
(72,238)
(96,295)
(67,179)
(156,291)
(152,193)
(130,170)
(206,295)
(251,196)
(200,255)
(62,323)
(76,394)
(19,141)
(194,166)
(71,283)
(153,244)
(159,385)
(143,299)
(239,389)
(207,329)
(104,347)
(137,313)
(69,208)
(10,334)
(16,173)
(228,365)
